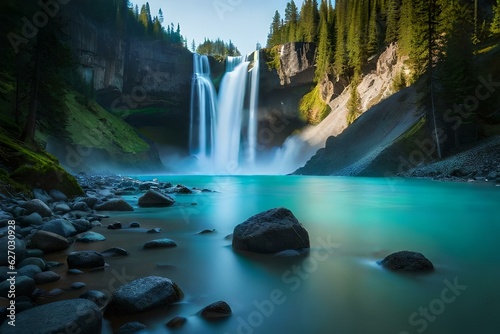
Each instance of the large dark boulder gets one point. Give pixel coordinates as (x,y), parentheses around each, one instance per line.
(85,259)
(407,261)
(49,241)
(36,205)
(62,227)
(144,294)
(74,315)
(271,231)
(154,198)
(115,204)
(218,309)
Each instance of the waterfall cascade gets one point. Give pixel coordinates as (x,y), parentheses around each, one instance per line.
(223,129)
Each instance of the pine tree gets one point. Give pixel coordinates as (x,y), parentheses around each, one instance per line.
(274,37)
(324,48)
(495,24)
(340,48)
(405,31)
(291,22)
(372,47)
(391,33)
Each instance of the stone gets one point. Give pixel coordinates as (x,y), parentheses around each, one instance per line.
(115,251)
(24,287)
(90,237)
(46,277)
(115,204)
(80,206)
(160,243)
(153,198)
(81,225)
(62,227)
(29,271)
(154,230)
(271,231)
(85,259)
(80,316)
(131,328)
(180,189)
(134,225)
(98,297)
(42,195)
(33,219)
(176,322)
(115,226)
(57,196)
(207,231)
(143,294)
(215,310)
(36,205)
(32,261)
(407,261)
(78,285)
(49,242)
(62,208)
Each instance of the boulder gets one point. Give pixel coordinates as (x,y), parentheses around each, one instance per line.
(98,297)
(153,198)
(176,322)
(131,328)
(160,243)
(407,261)
(90,237)
(48,241)
(271,231)
(115,204)
(75,315)
(62,227)
(85,259)
(42,195)
(80,206)
(32,260)
(143,294)
(57,196)
(33,219)
(115,251)
(62,208)
(36,205)
(218,309)
(46,277)
(29,271)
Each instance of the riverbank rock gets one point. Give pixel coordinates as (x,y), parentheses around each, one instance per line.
(85,259)
(154,198)
(90,237)
(59,226)
(160,243)
(131,328)
(36,205)
(176,322)
(24,287)
(48,241)
(271,231)
(144,294)
(81,316)
(407,261)
(215,310)
(115,204)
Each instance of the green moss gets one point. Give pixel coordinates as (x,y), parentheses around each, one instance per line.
(92,126)
(312,107)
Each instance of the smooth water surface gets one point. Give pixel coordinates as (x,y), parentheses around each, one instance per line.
(338,287)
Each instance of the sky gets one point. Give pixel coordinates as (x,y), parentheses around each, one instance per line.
(244,22)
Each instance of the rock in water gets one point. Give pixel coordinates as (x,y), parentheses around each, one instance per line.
(271,231)
(85,259)
(160,243)
(82,316)
(131,328)
(115,204)
(144,294)
(49,242)
(407,261)
(90,237)
(36,205)
(153,198)
(60,226)
(176,322)
(218,309)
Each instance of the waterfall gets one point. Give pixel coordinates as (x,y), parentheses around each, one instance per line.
(203,110)
(223,129)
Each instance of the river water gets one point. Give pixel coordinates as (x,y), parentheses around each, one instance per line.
(338,287)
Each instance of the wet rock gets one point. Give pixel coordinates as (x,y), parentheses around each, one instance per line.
(90,237)
(131,328)
(74,272)
(288,253)
(115,251)
(57,317)
(207,231)
(160,243)
(407,261)
(24,287)
(98,297)
(62,208)
(81,225)
(42,195)
(85,259)
(154,230)
(153,198)
(40,263)
(32,219)
(180,189)
(115,204)
(144,294)
(80,206)
(36,205)
(48,241)
(46,277)
(176,322)
(62,227)
(215,310)
(78,285)
(271,231)
(57,196)
(115,226)
(134,225)
(29,271)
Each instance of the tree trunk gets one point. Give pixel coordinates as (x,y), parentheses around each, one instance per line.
(28,135)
